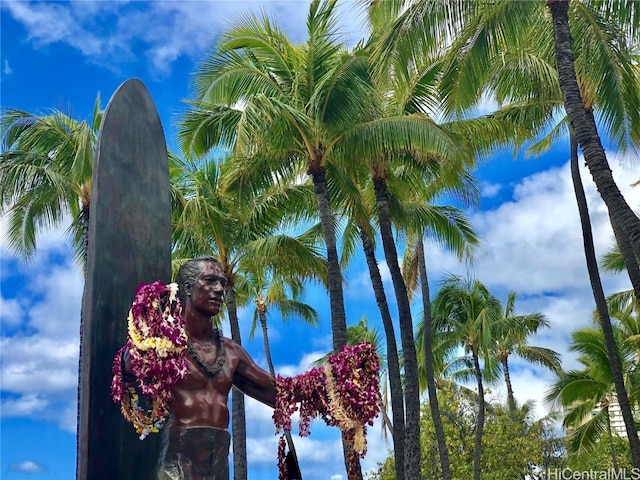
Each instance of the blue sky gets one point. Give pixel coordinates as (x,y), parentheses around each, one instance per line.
(62,54)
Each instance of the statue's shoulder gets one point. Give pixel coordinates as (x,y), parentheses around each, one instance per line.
(235,351)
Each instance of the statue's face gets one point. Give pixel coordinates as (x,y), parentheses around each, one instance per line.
(207,293)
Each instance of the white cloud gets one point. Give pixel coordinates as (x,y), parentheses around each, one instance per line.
(359,283)
(24,406)
(536,240)
(108,32)
(51,22)
(303,365)
(58,314)
(39,365)
(490,190)
(7,70)
(28,466)
(533,244)
(68,420)
(11,312)
(48,242)
(40,339)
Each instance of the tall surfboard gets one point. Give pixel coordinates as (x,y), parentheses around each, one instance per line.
(129,243)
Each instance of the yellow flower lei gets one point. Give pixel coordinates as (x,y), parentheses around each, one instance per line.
(156,337)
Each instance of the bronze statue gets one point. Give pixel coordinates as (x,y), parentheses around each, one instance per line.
(195,438)
(176,371)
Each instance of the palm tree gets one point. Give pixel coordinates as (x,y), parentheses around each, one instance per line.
(583,124)
(410,94)
(617,116)
(511,335)
(622,217)
(490,30)
(591,389)
(302,108)
(422,216)
(356,203)
(602,308)
(45,171)
(487,30)
(495,37)
(410,197)
(465,314)
(209,219)
(268,99)
(274,295)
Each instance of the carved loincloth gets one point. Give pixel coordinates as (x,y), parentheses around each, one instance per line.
(199,453)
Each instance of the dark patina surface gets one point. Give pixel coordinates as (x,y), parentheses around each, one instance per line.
(129,243)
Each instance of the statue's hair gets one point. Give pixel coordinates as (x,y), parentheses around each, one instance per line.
(188,273)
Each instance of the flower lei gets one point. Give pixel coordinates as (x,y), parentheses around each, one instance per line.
(156,341)
(344,393)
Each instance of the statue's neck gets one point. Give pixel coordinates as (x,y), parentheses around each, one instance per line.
(198,326)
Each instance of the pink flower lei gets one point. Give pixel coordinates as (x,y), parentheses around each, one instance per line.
(156,343)
(344,393)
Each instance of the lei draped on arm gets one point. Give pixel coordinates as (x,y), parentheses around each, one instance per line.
(344,393)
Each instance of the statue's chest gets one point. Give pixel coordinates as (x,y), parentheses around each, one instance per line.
(203,377)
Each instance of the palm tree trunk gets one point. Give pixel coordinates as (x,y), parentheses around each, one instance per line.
(412,386)
(238,420)
(511,401)
(352,460)
(265,343)
(336,295)
(272,370)
(612,447)
(602,308)
(624,244)
(393,362)
(622,216)
(477,450)
(428,365)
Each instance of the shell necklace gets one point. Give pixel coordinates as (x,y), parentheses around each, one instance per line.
(220,359)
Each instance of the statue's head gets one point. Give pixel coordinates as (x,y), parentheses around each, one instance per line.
(188,274)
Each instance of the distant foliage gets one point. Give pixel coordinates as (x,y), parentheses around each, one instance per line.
(599,458)
(513,447)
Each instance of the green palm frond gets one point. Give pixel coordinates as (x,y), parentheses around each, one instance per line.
(465,312)
(584,437)
(612,261)
(45,172)
(205,126)
(487,32)
(544,357)
(576,386)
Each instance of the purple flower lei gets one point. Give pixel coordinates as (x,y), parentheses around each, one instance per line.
(345,393)
(156,342)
